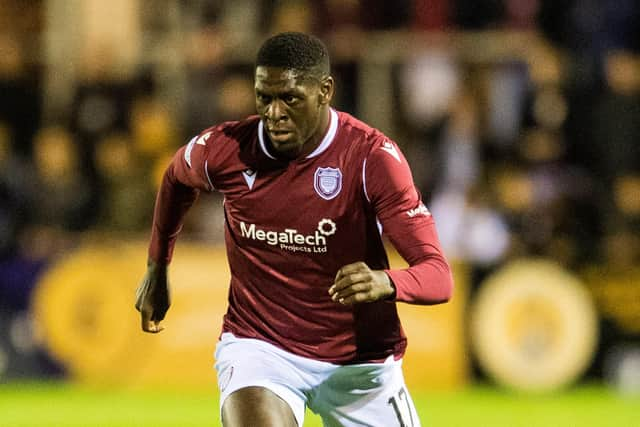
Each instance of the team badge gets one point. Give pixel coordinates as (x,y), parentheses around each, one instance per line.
(328,182)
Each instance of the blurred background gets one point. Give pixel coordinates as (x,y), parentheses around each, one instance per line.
(520,118)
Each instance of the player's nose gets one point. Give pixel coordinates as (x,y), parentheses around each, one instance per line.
(275,112)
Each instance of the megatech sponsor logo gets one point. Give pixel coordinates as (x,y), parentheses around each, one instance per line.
(291,239)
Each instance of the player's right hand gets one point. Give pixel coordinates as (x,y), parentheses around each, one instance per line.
(153,298)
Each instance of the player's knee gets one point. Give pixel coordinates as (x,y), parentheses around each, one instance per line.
(256,406)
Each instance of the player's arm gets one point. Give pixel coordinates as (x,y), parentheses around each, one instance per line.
(184,178)
(410,228)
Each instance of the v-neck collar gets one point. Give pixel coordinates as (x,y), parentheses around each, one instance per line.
(324,144)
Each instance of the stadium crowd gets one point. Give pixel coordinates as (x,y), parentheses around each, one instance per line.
(536,154)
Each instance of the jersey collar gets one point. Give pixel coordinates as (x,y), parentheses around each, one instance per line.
(324,144)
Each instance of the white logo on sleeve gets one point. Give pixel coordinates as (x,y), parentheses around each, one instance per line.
(195,140)
(420,210)
(187,151)
(203,139)
(391,149)
(327,182)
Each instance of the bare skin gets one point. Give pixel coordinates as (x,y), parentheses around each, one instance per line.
(294,107)
(356,283)
(153,297)
(256,406)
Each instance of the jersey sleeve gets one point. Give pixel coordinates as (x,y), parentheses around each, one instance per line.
(182,182)
(409,226)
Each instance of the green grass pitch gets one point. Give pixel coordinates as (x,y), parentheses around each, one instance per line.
(62,405)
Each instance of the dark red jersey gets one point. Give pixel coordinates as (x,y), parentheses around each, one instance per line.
(291,225)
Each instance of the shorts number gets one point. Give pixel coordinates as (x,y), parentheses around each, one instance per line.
(402,407)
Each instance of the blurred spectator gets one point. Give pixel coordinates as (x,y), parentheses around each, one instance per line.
(340,24)
(478,15)
(591,27)
(336,16)
(567,194)
(552,207)
(101,106)
(292,15)
(16,193)
(515,200)
(205,63)
(430,81)
(521,14)
(587,30)
(128,192)
(616,118)
(431,15)
(64,199)
(102,101)
(236,96)
(153,129)
(458,154)
(470,228)
(546,104)
(20,103)
(242,21)
(380,15)
(626,192)
(506,91)
(621,240)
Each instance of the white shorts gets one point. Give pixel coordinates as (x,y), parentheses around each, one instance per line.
(368,394)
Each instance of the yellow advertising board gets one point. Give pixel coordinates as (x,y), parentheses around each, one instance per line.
(84,309)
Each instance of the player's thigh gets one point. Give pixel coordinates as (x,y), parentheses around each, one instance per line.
(257,380)
(256,406)
(366,395)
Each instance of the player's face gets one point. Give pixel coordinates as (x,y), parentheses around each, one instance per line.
(294,108)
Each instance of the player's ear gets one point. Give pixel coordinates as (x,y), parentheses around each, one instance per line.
(327,89)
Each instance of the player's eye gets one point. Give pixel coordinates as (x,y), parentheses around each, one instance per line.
(263,98)
(290,99)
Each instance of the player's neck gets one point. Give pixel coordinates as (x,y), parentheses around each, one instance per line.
(318,136)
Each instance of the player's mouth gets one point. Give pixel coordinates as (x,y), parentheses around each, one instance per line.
(280,136)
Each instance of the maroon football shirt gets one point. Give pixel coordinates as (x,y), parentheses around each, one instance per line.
(291,225)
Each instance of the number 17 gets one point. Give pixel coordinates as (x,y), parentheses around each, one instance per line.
(402,406)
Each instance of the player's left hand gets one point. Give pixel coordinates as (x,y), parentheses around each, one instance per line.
(357,283)
(153,298)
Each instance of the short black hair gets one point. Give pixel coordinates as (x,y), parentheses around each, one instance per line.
(297,51)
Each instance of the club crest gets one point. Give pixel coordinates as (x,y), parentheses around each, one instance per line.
(328,182)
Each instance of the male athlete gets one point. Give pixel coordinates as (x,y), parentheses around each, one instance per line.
(308,193)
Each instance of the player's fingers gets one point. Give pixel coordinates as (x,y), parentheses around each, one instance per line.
(155,327)
(353,268)
(340,284)
(349,280)
(350,269)
(145,317)
(358,297)
(350,290)
(151,326)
